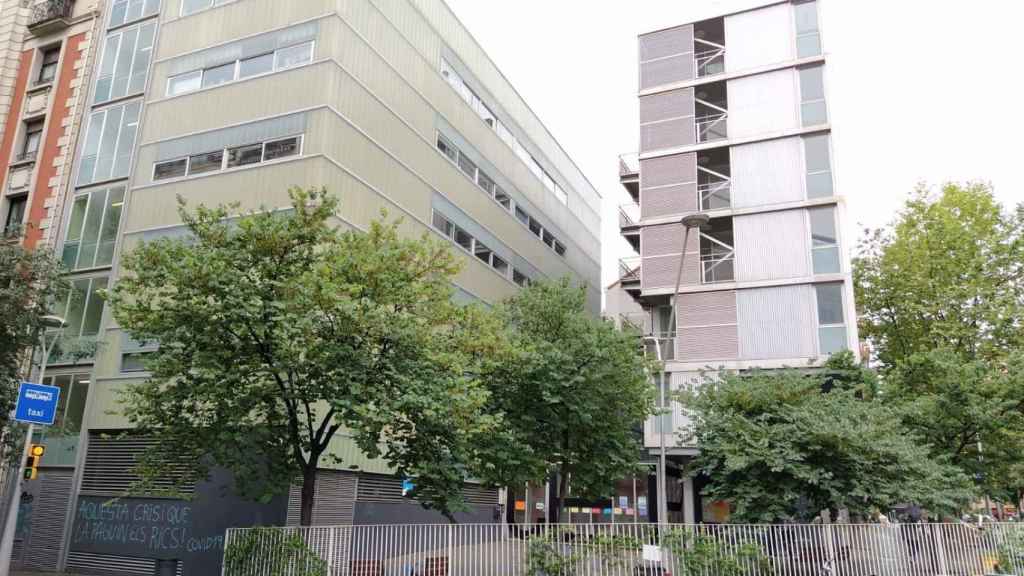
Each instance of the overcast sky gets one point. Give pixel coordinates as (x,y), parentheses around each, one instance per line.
(919,90)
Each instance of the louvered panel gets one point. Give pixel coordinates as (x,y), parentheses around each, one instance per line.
(668,42)
(110,466)
(667,134)
(707,308)
(759,37)
(666,105)
(333,503)
(707,344)
(49,511)
(707,326)
(379,488)
(660,271)
(668,200)
(110,565)
(772,245)
(665,170)
(768,172)
(480,495)
(667,239)
(763,103)
(666,71)
(777,322)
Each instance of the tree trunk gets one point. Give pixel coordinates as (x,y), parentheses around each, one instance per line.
(561,486)
(308,495)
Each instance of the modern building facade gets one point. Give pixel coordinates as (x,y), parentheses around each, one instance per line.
(389,104)
(734,124)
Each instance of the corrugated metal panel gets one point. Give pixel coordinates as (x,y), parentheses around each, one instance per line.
(707,326)
(660,272)
(759,37)
(110,466)
(666,239)
(666,200)
(49,510)
(763,103)
(678,132)
(707,344)
(663,43)
(675,169)
(777,322)
(767,172)
(665,105)
(706,308)
(333,503)
(771,245)
(108,564)
(382,488)
(666,71)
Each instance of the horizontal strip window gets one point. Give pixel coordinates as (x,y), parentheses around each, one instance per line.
(488,185)
(477,248)
(280,59)
(504,133)
(227,158)
(193,6)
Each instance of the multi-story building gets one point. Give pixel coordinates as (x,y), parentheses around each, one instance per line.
(734,124)
(388,103)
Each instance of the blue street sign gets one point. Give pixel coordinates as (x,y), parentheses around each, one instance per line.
(407,486)
(37,403)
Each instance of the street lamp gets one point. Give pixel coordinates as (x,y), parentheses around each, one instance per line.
(697,220)
(11,522)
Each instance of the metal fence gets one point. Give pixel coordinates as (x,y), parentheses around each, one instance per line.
(628,550)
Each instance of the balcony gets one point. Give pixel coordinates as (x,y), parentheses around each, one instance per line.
(629,275)
(711,113)
(709,47)
(49,16)
(25,157)
(713,180)
(629,174)
(717,255)
(629,224)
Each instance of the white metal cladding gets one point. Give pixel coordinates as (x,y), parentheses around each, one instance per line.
(660,271)
(771,245)
(333,501)
(706,326)
(666,56)
(777,322)
(667,200)
(767,172)
(665,170)
(625,549)
(46,528)
(667,239)
(759,37)
(763,103)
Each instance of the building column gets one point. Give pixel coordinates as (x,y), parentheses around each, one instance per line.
(689,514)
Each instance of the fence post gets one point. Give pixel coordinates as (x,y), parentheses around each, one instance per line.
(940,551)
(451,551)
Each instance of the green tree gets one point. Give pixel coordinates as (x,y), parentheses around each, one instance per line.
(277,331)
(789,444)
(946,274)
(572,390)
(30,280)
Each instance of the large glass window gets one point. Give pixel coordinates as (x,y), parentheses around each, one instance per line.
(831,325)
(125,62)
(74,388)
(109,140)
(185,82)
(219,74)
(92,229)
(808,39)
(256,65)
(83,311)
(205,162)
(293,56)
(244,155)
(238,156)
(33,137)
(124,11)
(819,166)
(281,148)
(824,244)
(812,96)
(190,6)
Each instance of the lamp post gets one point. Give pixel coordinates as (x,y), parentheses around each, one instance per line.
(11,522)
(697,220)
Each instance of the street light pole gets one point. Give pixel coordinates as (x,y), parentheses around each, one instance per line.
(11,522)
(697,220)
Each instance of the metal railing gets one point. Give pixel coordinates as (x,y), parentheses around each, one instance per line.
(710,62)
(629,214)
(629,269)
(711,127)
(717,268)
(629,164)
(714,195)
(49,10)
(26,156)
(628,549)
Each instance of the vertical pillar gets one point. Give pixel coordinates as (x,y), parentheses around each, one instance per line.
(689,502)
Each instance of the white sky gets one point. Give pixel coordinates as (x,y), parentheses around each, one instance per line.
(919,90)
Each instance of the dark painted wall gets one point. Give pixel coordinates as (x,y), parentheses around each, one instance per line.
(412,513)
(190,531)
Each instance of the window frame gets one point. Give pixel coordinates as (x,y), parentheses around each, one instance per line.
(225,154)
(212,4)
(808,173)
(804,103)
(832,247)
(44,65)
(445,227)
(133,57)
(831,325)
(32,128)
(237,70)
(91,195)
(816,32)
(11,227)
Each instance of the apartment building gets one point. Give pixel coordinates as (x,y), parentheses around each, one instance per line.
(734,124)
(390,104)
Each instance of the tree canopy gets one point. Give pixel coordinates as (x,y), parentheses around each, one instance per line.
(785,445)
(572,390)
(277,332)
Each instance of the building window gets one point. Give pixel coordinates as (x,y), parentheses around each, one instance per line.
(808,38)
(48,67)
(84,307)
(15,215)
(214,161)
(520,278)
(125,63)
(134,361)
(74,388)
(193,6)
(237,69)
(824,243)
(819,166)
(447,148)
(485,114)
(92,228)
(109,141)
(33,137)
(124,11)
(475,247)
(831,326)
(812,96)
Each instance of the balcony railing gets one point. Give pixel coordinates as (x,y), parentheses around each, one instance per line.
(714,195)
(710,62)
(629,269)
(49,12)
(26,156)
(711,127)
(718,268)
(629,215)
(629,164)
(666,341)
